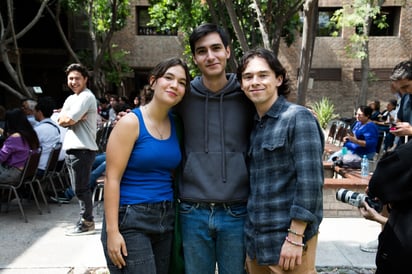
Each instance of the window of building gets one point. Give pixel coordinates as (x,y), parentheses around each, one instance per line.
(378,74)
(392,15)
(326,74)
(142,21)
(326,27)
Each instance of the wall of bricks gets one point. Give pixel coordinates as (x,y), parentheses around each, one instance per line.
(145,50)
(329,52)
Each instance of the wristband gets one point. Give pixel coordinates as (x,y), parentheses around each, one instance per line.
(295,233)
(294,243)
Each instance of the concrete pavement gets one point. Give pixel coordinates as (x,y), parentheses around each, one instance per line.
(41,246)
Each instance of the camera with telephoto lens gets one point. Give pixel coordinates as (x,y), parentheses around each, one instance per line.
(357,199)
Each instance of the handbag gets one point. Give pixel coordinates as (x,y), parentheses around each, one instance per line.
(391,181)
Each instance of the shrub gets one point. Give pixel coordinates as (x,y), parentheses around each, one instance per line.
(325,111)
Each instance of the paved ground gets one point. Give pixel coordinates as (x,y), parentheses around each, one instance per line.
(41,247)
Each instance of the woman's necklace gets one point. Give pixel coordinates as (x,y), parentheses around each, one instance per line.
(153,124)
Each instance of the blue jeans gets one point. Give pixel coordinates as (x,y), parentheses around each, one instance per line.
(79,164)
(98,168)
(213,234)
(148,232)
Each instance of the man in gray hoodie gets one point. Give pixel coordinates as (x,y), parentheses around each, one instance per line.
(214,185)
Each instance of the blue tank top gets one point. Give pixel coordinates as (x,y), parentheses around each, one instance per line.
(148,174)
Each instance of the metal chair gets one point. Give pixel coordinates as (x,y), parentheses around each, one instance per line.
(332,133)
(28,177)
(50,171)
(102,135)
(98,189)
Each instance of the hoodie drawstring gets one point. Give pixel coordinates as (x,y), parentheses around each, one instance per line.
(222,137)
(206,124)
(222,133)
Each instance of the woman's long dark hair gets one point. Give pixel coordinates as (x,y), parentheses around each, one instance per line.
(16,122)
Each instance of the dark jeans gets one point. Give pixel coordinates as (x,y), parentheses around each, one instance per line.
(79,164)
(148,232)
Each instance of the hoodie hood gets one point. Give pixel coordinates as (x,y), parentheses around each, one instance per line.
(232,86)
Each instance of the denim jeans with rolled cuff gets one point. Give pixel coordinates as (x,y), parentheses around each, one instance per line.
(212,233)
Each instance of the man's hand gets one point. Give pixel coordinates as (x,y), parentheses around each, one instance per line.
(370,213)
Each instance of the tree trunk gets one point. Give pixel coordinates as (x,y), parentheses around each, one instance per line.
(363,95)
(236,26)
(214,15)
(56,18)
(262,25)
(5,42)
(365,67)
(310,10)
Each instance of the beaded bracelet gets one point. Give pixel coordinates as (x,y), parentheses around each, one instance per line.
(295,233)
(294,243)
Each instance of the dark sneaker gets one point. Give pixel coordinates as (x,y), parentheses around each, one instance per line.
(82,228)
(60,200)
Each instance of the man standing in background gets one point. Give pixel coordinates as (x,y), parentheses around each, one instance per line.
(79,115)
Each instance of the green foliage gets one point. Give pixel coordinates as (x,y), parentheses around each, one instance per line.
(325,111)
(187,14)
(101,12)
(293,27)
(115,65)
(107,61)
(182,16)
(355,16)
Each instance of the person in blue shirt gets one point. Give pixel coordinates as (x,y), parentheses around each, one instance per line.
(142,153)
(364,136)
(285,205)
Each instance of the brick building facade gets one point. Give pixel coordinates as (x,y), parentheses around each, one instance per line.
(336,75)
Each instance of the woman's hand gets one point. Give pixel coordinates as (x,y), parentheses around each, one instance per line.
(116,248)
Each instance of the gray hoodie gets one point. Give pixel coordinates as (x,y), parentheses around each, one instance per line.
(217,126)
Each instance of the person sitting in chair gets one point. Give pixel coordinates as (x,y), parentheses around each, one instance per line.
(362,140)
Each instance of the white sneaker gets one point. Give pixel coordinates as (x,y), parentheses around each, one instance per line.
(371,246)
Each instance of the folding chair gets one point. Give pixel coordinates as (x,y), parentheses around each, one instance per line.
(102,136)
(98,189)
(62,174)
(28,177)
(332,133)
(50,171)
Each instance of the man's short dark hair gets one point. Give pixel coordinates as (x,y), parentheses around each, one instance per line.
(204,30)
(46,105)
(401,71)
(78,67)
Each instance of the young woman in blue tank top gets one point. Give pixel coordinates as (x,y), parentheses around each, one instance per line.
(142,152)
